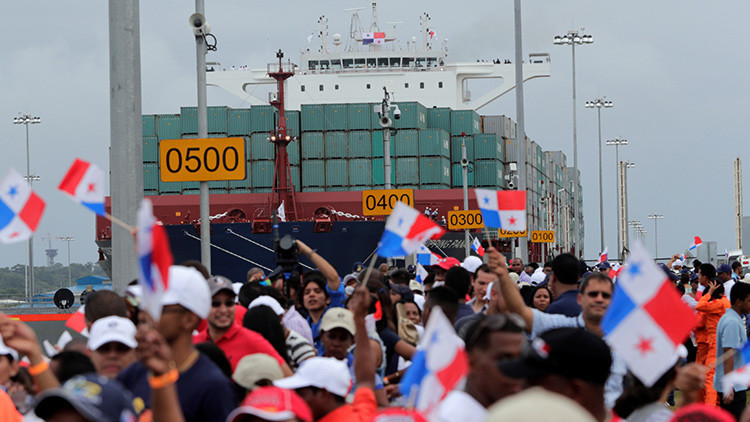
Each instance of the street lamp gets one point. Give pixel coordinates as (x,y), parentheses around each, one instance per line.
(617,142)
(622,168)
(26,119)
(598,104)
(68,239)
(656,217)
(573,38)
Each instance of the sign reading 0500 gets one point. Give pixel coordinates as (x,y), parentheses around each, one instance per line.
(382,201)
(198,160)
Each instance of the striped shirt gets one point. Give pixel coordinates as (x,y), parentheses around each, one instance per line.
(298,349)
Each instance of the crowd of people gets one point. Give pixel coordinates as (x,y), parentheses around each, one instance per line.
(331,348)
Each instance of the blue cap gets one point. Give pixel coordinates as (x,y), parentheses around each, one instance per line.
(724,268)
(605,265)
(94,397)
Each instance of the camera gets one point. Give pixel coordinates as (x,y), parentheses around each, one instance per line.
(396,112)
(288,266)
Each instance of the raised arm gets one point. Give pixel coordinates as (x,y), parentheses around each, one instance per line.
(22,338)
(364,360)
(508,288)
(156,355)
(321,264)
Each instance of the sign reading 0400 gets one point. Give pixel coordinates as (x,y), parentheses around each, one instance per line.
(470,219)
(198,160)
(382,201)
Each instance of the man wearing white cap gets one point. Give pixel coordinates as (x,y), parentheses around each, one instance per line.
(204,393)
(112,345)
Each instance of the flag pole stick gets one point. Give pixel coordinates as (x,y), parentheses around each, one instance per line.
(370,267)
(720,359)
(119,222)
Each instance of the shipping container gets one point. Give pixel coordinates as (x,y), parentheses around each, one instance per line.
(168,126)
(292,150)
(407,171)
(377,144)
(246,183)
(359,116)
(360,188)
(261,147)
(262,118)
(262,190)
(465,122)
(493,124)
(149,125)
(360,172)
(151,176)
(338,189)
(407,143)
(312,117)
(190,186)
(336,144)
(434,170)
(150,149)
(313,173)
(313,146)
(457,180)
(262,174)
(434,142)
(292,123)
(189,120)
(337,172)
(191,192)
(456,153)
(150,192)
(218,185)
(313,189)
(216,117)
(432,187)
(238,122)
(439,118)
(488,146)
(295,173)
(413,116)
(360,144)
(488,173)
(166,188)
(336,117)
(378,172)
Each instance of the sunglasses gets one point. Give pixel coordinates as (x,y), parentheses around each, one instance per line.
(594,294)
(218,303)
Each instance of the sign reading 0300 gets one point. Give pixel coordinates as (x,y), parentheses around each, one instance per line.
(203,159)
(468,219)
(382,201)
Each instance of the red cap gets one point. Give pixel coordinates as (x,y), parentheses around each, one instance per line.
(448,262)
(273,404)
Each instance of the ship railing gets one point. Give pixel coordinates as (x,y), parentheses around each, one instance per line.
(374,70)
(287,67)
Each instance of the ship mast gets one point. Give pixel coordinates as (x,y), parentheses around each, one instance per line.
(283,190)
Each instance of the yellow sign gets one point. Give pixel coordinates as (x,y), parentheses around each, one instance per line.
(543,236)
(460,220)
(199,160)
(382,201)
(508,233)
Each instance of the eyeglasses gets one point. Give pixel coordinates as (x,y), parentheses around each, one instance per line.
(593,294)
(497,322)
(217,303)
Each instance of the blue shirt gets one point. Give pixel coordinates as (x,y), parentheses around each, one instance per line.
(338,297)
(565,304)
(730,332)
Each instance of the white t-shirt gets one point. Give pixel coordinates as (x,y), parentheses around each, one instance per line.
(459,406)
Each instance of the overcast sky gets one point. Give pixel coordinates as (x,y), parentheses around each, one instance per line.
(673,70)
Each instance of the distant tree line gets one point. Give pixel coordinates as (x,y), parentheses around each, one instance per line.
(46,279)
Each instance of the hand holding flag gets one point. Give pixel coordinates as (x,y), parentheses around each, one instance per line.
(405,231)
(154,258)
(503,209)
(20,208)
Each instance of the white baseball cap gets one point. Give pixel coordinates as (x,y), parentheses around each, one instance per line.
(266,300)
(188,288)
(5,350)
(112,328)
(471,263)
(677,263)
(329,374)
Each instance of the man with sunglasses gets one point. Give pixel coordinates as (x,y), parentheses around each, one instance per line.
(232,338)
(594,297)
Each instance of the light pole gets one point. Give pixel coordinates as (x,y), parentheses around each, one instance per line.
(656,217)
(68,239)
(599,103)
(26,119)
(572,38)
(622,168)
(617,142)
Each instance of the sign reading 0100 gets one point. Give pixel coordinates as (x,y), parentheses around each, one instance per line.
(382,201)
(203,159)
(469,219)
(543,236)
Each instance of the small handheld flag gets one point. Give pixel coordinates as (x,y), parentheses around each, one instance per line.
(84,183)
(154,257)
(405,231)
(503,209)
(476,245)
(696,242)
(20,208)
(602,256)
(740,376)
(421,273)
(426,257)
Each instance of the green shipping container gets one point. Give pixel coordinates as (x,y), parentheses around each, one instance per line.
(150,176)
(150,192)
(336,144)
(456,148)
(292,123)
(434,142)
(238,122)
(465,121)
(337,116)
(262,174)
(149,125)
(457,180)
(429,187)
(488,174)
(169,187)
(150,149)
(292,150)
(313,173)
(262,190)
(359,116)
(360,188)
(190,186)
(294,171)
(377,145)
(434,170)
(413,116)
(439,118)
(313,189)
(168,126)
(360,172)
(407,143)
(337,172)
(360,144)
(246,183)
(218,185)
(488,146)
(261,148)
(216,117)
(312,117)
(378,172)
(262,118)
(313,146)
(407,171)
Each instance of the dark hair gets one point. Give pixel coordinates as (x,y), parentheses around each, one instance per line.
(595,276)
(533,293)
(533,265)
(708,271)
(547,264)
(681,289)
(217,356)
(719,292)
(252,271)
(684,278)
(71,364)
(696,263)
(446,299)
(264,321)
(24,378)
(735,265)
(566,268)
(104,303)
(476,336)
(380,290)
(251,291)
(458,279)
(400,276)
(198,266)
(740,291)
(419,310)
(484,268)
(636,395)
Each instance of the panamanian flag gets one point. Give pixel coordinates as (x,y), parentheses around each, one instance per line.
(426,257)
(696,242)
(20,208)
(154,258)
(477,246)
(405,231)
(421,273)
(84,183)
(740,377)
(373,38)
(504,209)
(646,320)
(603,256)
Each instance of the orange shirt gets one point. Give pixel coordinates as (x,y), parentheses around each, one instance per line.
(8,410)
(710,312)
(363,408)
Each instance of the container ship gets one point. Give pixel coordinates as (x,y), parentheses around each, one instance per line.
(336,151)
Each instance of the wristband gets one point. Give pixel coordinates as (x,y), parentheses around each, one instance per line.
(166,379)
(38,368)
